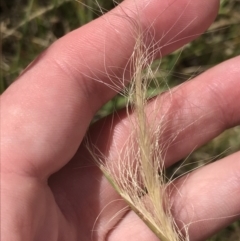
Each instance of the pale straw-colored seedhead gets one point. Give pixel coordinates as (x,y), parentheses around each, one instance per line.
(138,173)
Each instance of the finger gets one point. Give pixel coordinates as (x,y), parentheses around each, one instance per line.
(47,111)
(210,197)
(190,115)
(205,201)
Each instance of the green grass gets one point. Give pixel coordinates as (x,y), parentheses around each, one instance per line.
(30,26)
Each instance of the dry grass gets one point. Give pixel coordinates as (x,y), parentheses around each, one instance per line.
(28,27)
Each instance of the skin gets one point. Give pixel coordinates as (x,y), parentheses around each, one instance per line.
(50,188)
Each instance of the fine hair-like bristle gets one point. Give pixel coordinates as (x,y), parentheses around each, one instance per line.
(138,174)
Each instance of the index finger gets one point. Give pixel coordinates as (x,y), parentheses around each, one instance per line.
(47,111)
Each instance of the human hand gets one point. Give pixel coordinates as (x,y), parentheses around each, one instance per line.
(52,191)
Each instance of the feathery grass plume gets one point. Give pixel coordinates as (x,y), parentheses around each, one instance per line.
(138,174)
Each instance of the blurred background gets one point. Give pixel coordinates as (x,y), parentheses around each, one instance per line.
(30,26)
